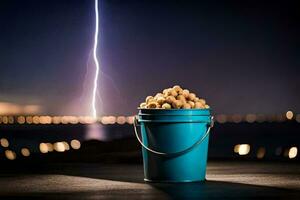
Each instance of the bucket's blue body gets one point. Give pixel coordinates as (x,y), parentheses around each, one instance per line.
(173,131)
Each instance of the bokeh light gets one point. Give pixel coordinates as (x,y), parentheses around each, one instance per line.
(11,119)
(36,119)
(10,155)
(236,118)
(236,148)
(59,146)
(43,148)
(130,119)
(293,152)
(73,120)
(4,119)
(289,115)
(121,120)
(25,152)
(75,144)
(29,120)
(4,142)
(261,152)
(221,118)
(50,147)
(21,119)
(56,120)
(250,118)
(244,149)
(66,145)
(45,119)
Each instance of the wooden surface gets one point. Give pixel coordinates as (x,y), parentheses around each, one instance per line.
(225,180)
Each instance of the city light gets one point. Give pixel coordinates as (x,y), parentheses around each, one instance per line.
(45,119)
(4,120)
(25,152)
(289,115)
(121,120)
(21,119)
(59,146)
(50,147)
(10,155)
(236,148)
(75,144)
(66,145)
(11,120)
(236,118)
(241,149)
(4,142)
(43,148)
(220,118)
(130,119)
(244,149)
(250,118)
(261,152)
(29,120)
(56,120)
(36,120)
(293,152)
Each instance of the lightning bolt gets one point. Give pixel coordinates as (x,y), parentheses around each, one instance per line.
(94,109)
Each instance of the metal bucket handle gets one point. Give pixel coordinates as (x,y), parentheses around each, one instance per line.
(135,124)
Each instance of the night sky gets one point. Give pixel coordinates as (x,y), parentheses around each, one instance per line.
(241,56)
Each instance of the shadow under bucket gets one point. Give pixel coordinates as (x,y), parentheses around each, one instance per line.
(174,143)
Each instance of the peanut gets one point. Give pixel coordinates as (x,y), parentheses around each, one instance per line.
(181,97)
(178,89)
(173,93)
(202,101)
(167,92)
(170,99)
(199,105)
(158,95)
(161,100)
(177,104)
(152,104)
(192,104)
(185,93)
(166,106)
(186,106)
(143,105)
(192,96)
(176,98)
(148,98)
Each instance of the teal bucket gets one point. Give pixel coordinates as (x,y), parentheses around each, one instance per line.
(174,143)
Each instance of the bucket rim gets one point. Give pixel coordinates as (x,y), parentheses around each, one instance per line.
(174,112)
(176,109)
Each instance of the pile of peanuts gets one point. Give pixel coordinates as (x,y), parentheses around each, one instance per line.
(176,98)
